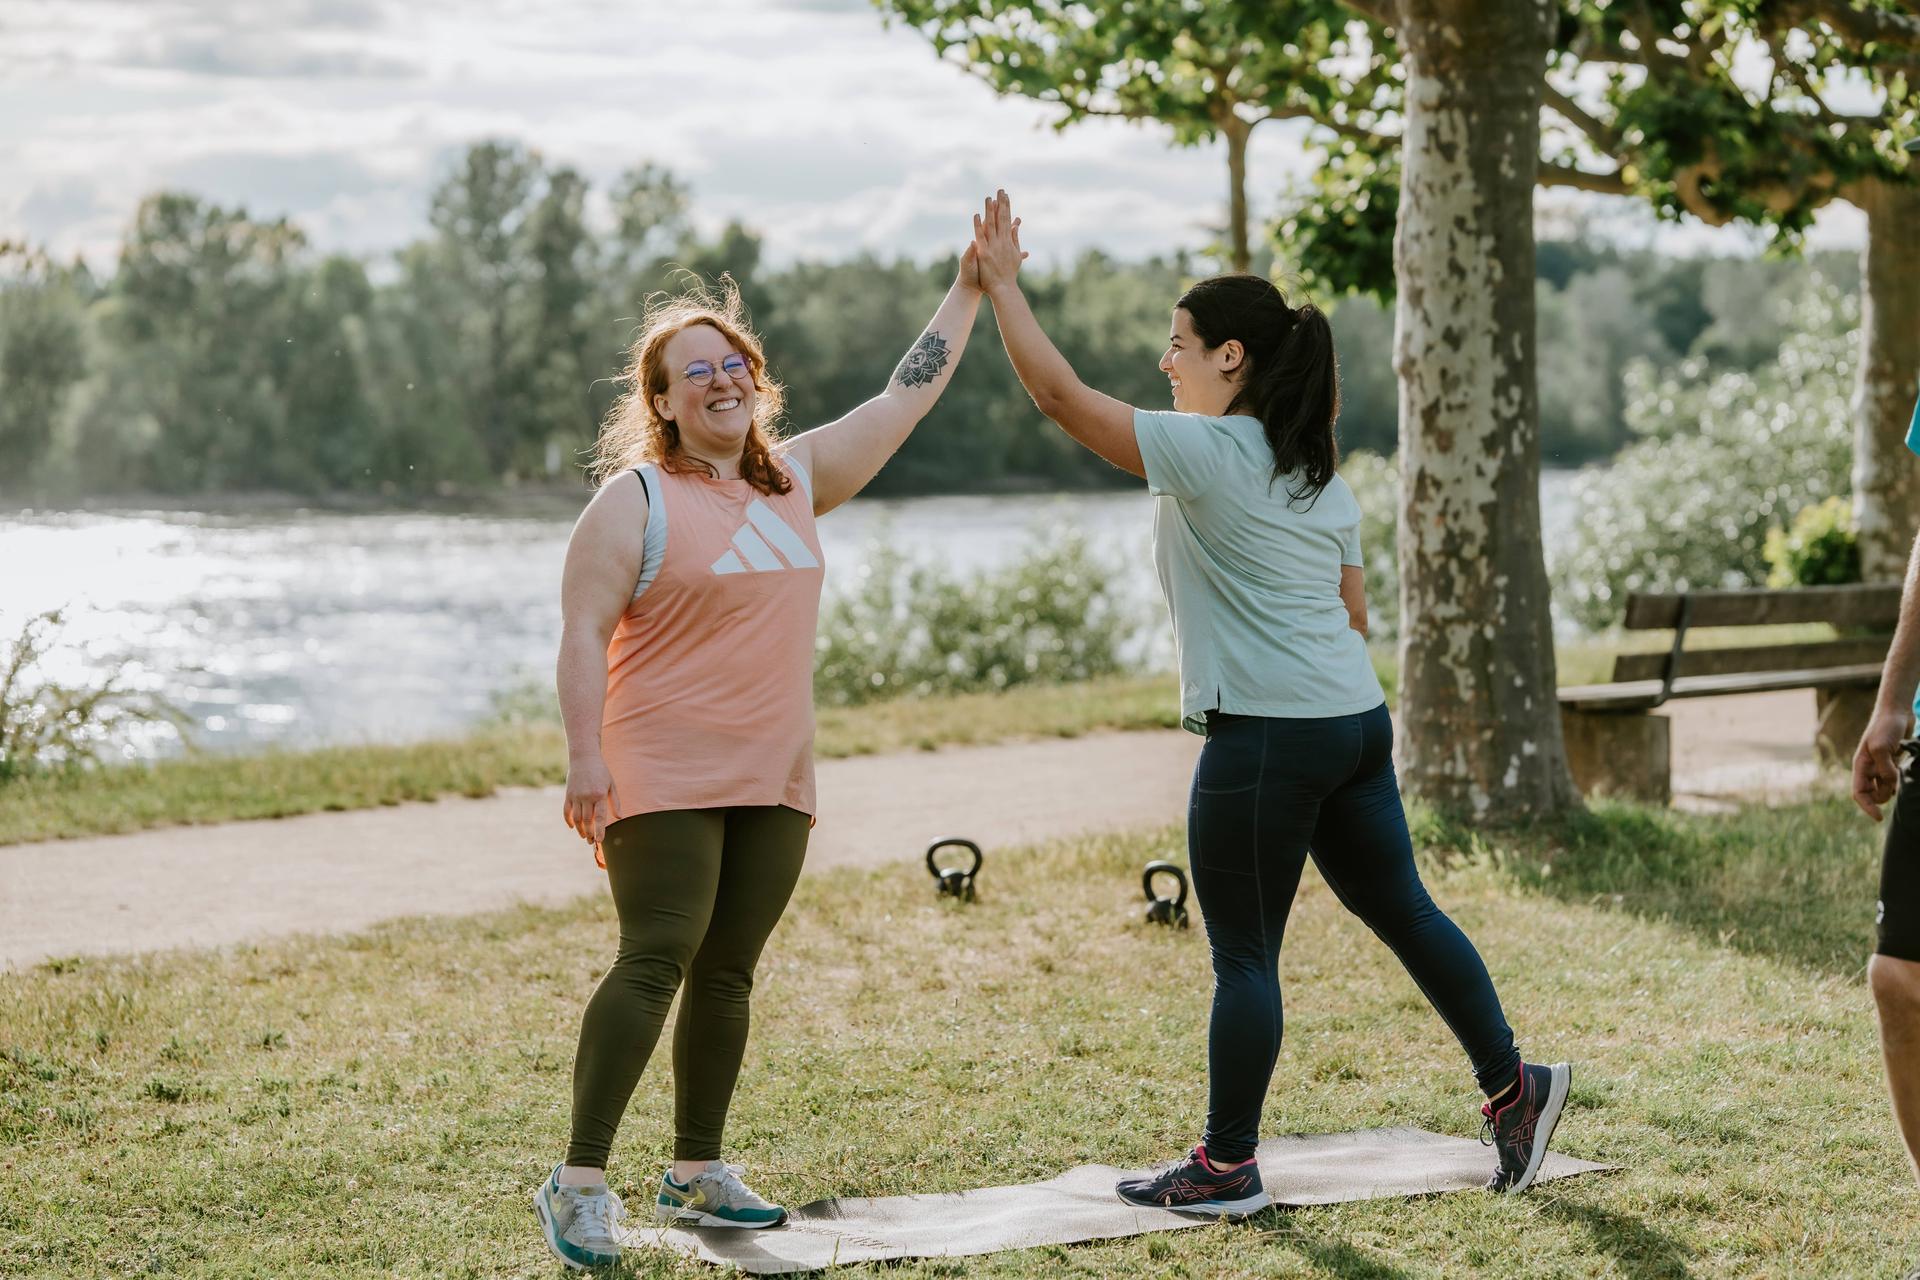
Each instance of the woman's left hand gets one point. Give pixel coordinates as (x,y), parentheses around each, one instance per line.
(969,277)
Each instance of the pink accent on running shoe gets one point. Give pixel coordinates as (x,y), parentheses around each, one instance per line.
(1222,1168)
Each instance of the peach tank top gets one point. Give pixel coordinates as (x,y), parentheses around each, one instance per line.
(710,671)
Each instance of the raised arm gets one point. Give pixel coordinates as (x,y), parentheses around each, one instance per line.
(1096,420)
(844,454)
(602,567)
(1875,769)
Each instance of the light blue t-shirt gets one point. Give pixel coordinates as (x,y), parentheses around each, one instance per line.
(1913,443)
(1252,577)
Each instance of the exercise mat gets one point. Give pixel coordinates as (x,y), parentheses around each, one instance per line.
(1301,1169)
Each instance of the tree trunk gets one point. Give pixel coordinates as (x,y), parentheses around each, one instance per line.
(1237,131)
(1886,476)
(1480,728)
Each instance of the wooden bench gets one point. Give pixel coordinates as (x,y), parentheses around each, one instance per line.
(1616,743)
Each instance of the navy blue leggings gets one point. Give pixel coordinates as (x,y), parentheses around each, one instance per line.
(1267,792)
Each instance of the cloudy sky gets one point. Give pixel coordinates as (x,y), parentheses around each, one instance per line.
(808,119)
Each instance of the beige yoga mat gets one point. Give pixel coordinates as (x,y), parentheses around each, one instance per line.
(1302,1169)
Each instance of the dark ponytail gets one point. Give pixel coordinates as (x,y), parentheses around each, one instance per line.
(1293,378)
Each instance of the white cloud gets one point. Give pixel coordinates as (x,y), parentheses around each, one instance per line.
(807,119)
(259,58)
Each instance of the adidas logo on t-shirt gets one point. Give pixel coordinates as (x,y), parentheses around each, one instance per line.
(760,544)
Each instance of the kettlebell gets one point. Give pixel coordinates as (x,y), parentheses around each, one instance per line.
(953,882)
(1171,912)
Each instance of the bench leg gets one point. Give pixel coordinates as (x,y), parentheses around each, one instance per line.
(1620,753)
(1843,718)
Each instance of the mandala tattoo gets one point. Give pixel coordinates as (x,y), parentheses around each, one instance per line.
(924,362)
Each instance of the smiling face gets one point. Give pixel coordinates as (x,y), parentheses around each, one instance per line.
(1203,381)
(714,419)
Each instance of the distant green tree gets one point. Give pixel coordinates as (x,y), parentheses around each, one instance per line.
(650,208)
(1669,292)
(431,442)
(478,213)
(188,322)
(736,252)
(505,320)
(564,259)
(224,355)
(42,358)
(1590,331)
(324,371)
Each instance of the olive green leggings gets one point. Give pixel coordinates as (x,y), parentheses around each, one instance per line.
(697,891)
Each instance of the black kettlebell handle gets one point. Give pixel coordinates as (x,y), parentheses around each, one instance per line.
(1165,868)
(955,841)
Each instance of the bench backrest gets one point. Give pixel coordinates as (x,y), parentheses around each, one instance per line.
(1873,604)
(1871,607)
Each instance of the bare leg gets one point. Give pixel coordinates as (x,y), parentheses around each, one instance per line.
(1896,996)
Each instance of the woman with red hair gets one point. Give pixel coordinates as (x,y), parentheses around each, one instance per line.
(689,599)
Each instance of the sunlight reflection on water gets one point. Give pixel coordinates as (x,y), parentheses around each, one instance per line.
(301,628)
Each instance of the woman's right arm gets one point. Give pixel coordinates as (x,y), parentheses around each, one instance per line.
(603,565)
(1098,421)
(1353,594)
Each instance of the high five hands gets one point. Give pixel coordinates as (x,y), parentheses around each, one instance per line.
(996,243)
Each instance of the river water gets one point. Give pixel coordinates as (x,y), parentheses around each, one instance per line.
(302,628)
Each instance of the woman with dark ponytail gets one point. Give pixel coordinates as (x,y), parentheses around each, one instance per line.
(1256,539)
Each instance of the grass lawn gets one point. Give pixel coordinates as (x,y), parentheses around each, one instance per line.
(383,1104)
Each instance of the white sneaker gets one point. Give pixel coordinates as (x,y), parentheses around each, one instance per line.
(580,1224)
(714,1197)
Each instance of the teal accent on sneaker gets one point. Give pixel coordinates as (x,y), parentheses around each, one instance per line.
(715,1198)
(578,1229)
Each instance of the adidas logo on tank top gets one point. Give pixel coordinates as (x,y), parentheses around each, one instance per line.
(765,544)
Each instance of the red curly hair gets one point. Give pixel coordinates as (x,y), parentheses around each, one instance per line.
(635,433)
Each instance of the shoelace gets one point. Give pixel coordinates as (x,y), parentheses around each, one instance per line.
(1486,1130)
(597,1218)
(1166,1167)
(730,1191)
(1162,1170)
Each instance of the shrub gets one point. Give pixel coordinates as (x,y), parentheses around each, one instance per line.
(47,725)
(1822,549)
(912,628)
(1722,459)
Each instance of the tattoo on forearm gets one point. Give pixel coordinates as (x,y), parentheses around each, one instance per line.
(924,362)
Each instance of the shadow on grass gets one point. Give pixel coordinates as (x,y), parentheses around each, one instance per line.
(1794,882)
(1283,1226)
(1638,1250)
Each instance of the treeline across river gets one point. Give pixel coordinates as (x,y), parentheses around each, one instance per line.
(227,353)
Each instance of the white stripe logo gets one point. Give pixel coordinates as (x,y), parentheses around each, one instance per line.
(751,550)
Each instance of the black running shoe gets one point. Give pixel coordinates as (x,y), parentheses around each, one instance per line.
(1192,1186)
(1521,1130)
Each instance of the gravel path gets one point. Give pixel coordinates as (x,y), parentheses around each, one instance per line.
(330,872)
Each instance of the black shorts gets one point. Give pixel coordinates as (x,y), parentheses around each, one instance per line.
(1898,916)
